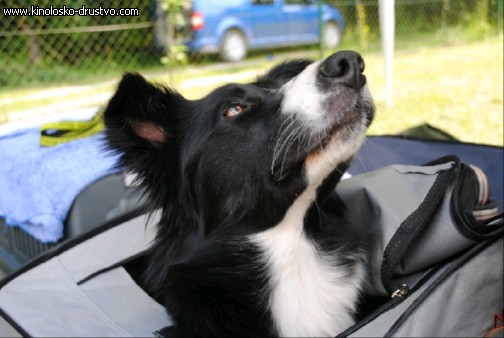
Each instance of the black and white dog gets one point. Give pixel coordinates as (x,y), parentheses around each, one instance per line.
(252,241)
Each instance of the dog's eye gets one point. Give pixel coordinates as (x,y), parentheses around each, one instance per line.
(234,110)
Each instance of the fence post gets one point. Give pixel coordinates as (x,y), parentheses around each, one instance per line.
(321,29)
(387,30)
(499,14)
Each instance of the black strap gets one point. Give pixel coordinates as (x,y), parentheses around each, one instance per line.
(167,332)
(70,243)
(13,324)
(112,266)
(412,226)
(451,268)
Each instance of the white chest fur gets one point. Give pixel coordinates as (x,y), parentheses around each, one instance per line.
(310,294)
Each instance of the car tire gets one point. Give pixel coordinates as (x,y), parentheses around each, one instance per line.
(233,46)
(331,35)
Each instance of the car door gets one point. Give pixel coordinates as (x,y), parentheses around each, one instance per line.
(303,20)
(267,22)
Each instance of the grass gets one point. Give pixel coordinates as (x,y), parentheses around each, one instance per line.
(454,84)
(458,88)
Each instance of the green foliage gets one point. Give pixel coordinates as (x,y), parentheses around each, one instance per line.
(362,27)
(437,19)
(175,13)
(174,10)
(39,50)
(176,55)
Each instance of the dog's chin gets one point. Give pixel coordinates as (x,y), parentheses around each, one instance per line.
(340,141)
(342,144)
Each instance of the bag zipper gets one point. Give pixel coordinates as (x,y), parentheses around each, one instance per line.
(404,291)
(401,292)
(413,225)
(455,264)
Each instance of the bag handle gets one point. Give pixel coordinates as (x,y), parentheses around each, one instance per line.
(475,215)
(472,213)
(413,225)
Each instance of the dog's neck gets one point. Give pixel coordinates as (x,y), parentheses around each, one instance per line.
(303,278)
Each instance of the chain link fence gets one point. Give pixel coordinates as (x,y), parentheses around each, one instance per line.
(43,49)
(50,47)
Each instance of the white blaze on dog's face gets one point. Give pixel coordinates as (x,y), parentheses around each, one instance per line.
(332,114)
(326,109)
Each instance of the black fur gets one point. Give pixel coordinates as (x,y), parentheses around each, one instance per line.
(212,177)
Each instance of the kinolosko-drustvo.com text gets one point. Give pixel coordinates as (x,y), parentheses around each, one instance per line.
(69,11)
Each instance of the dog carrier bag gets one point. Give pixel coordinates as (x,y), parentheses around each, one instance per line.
(435,242)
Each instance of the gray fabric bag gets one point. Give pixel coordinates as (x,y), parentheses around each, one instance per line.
(436,250)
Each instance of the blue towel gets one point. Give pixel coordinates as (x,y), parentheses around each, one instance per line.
(39,184)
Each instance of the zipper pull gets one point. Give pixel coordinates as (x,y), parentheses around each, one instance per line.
(402,291)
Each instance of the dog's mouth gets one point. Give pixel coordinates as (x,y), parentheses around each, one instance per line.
(342,129)
(326,127)
(301,148)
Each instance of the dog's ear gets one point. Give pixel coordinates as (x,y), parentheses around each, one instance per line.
(140,111)
(141,122)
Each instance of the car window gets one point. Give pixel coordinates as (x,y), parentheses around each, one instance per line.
(298,2)
(262,2)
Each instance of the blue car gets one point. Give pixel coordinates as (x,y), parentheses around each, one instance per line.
(232,28)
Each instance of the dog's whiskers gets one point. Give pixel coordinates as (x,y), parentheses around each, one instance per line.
(293,138)
(286,131)
(283,131)
(284,148)
(359,157)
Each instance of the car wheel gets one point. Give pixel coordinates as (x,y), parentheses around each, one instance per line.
(331,35)
(234,46)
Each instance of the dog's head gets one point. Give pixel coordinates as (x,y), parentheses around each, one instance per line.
(245,151)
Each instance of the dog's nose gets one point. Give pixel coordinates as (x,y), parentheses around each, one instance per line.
(345,68)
